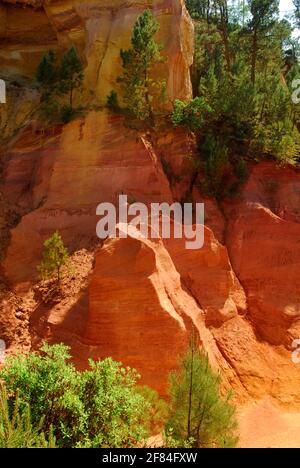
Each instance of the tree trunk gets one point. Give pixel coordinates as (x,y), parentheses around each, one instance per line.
(254,56)
(226,50)
(191,389)
(224,33)
(264,100)
(148,103)
(71,97)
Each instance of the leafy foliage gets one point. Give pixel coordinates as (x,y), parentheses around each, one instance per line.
(96,408)
(16,429)
(217,167)
(223,176)
(154,419)
(245,61)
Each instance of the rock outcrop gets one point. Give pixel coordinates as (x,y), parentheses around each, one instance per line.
(59,183)
(143,285)
(263,240)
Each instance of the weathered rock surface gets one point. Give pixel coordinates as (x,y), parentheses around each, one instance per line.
(140,286)
(239,290)
(99,30)
(60,183)
(263,238)
(139,301)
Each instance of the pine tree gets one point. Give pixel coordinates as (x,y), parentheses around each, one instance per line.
(263,16)
(46,75)
(57,79)
(199,9)
(55,256)
(70,73)
(252,110)
(297,11)
(138,62)
(198,412)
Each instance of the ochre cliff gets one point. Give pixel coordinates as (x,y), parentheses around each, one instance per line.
(143,296)
(246,321)
(137,299)
(99,29)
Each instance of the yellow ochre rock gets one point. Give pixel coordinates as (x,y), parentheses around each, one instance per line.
(98,29)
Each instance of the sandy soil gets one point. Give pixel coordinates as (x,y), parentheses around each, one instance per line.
(262,425)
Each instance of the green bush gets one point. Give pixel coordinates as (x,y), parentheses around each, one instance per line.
(216,166)
(155,419)
(96,408)
(223,174)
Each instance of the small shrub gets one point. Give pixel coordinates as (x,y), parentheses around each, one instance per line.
(241,170)
(216,166)
(156,417)
(55,256)
(112,101)
(223,175)
(67,113)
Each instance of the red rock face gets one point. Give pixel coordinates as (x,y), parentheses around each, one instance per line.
(240,290)
(62,182)
(141,307)
(269,273)
(140,286)
(263,237)
(130,311)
